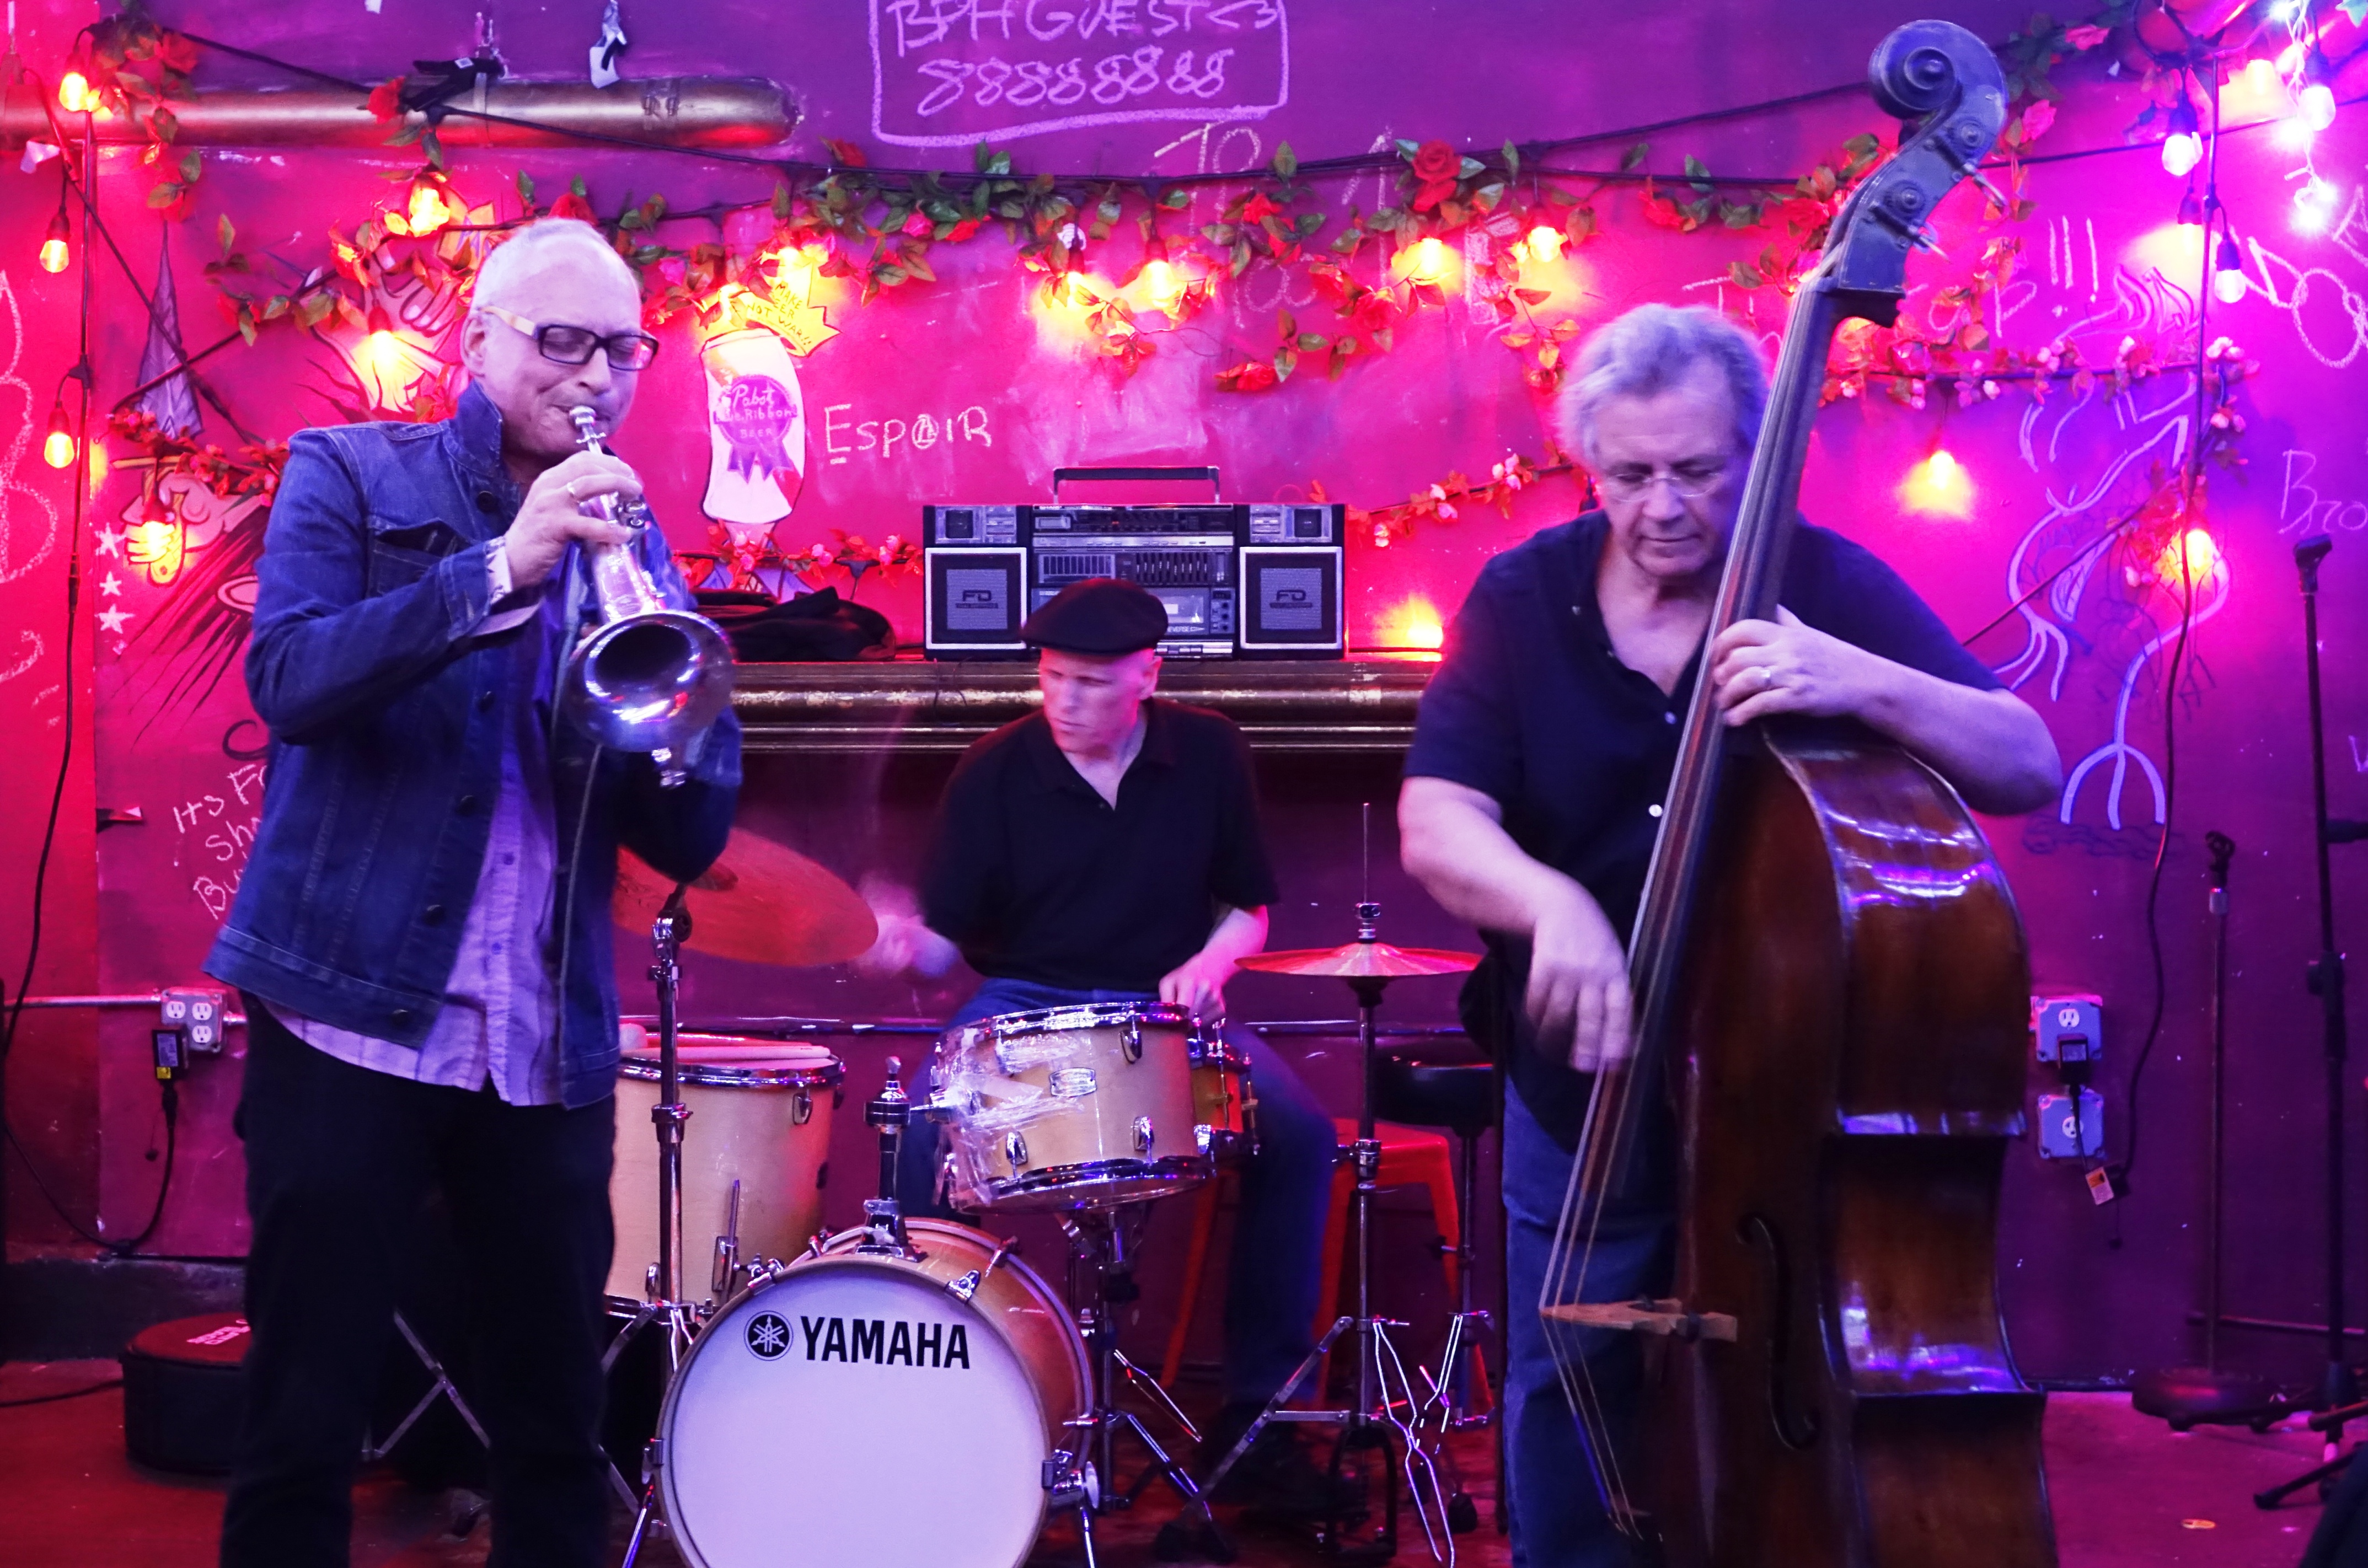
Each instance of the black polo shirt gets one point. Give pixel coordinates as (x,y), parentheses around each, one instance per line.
(1035,877)
(1532,708)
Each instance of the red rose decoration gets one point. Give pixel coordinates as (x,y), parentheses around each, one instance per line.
(386,99)
(920,226)
(1251,375)
(1437,161)
(571,205)
(1437,167)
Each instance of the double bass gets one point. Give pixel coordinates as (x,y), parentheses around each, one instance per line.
(1830,986)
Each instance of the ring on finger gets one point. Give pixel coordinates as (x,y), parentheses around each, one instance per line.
(571,493)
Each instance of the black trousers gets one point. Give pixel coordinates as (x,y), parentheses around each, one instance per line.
(340,1164)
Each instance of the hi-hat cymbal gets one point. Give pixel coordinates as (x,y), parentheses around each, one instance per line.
(760,902)
(1353,961)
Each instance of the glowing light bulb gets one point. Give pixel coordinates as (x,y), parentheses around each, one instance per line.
(58,445)
(1430,260)
(2315,106)
(1418,625)
(74,93)
(155,543)
(1545,244)
(2183,148)
(55,251)
(1938,487)
(2314,206)
(426,213)
(1159,280)
(2228,272)
(2261,77)
(2190,558)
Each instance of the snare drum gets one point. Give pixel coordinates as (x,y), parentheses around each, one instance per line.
(1077,1107)
(760,1133)
(806,1406)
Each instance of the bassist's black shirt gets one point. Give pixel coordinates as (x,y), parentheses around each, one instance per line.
(1531,707)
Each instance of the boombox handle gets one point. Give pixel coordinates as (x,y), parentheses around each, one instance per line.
(1208,473)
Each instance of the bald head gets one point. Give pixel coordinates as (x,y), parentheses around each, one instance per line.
(555,272)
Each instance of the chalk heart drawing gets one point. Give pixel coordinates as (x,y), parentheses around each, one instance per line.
(953,72)
(2093,454)
(28,519)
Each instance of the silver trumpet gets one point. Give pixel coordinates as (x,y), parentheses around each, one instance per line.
(647,676)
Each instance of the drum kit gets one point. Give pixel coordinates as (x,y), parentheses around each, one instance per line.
(834,1363)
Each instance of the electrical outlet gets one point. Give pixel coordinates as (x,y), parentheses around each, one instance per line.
(197,1014)
(2060,1137)
(2068,1028)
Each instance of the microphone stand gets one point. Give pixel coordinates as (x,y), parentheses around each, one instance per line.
(2194,1396)
(2339,1392)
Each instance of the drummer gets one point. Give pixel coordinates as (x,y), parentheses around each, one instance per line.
(1107,848)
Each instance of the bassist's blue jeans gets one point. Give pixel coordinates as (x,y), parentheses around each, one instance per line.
(1277,1266)
(1558,1520)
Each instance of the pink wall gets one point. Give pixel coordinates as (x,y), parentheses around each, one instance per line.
(2092,1292)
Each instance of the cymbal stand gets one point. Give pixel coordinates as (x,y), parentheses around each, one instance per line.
(1372,1423)
(678,1318)
(1083,1475)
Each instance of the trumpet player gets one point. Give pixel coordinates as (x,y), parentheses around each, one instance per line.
(422,936)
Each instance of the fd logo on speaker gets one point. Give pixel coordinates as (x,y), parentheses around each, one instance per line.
(768,1336)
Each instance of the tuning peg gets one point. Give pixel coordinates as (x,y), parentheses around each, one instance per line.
(1981,182)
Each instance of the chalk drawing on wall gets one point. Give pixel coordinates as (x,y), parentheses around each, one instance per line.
(201,561)
(2328,315)
(2302,510)
(20,550)
(952,73)
(2094,454)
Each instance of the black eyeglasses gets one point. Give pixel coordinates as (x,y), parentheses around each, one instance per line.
(576,345)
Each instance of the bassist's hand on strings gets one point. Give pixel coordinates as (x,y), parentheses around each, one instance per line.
(1762,668)
(1578,981)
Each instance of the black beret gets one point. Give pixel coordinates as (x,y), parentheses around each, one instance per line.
(1102,616)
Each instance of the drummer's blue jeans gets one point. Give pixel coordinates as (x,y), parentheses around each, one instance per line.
(1278,1256)
(1558,1520)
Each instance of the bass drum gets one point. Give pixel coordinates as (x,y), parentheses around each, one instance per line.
(848,1379)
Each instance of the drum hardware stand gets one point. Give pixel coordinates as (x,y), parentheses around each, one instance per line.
(1371,1425)
(1464,1365)
(884,1219)
(441,1388)
(679,1319)
(1080,1475)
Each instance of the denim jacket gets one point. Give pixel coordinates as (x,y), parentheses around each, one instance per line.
(387,713)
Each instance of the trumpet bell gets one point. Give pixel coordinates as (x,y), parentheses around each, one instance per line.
(649,682)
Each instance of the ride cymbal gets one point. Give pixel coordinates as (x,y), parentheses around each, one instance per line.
(760,902)
(1355,959)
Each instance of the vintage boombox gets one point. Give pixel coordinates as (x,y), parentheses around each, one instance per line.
(1259,581)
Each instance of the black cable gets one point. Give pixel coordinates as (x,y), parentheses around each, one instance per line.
(66,762)
(54,1398)
(2078,557)
(2213,212)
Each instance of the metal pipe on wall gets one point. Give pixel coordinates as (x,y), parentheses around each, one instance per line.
(674,112)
